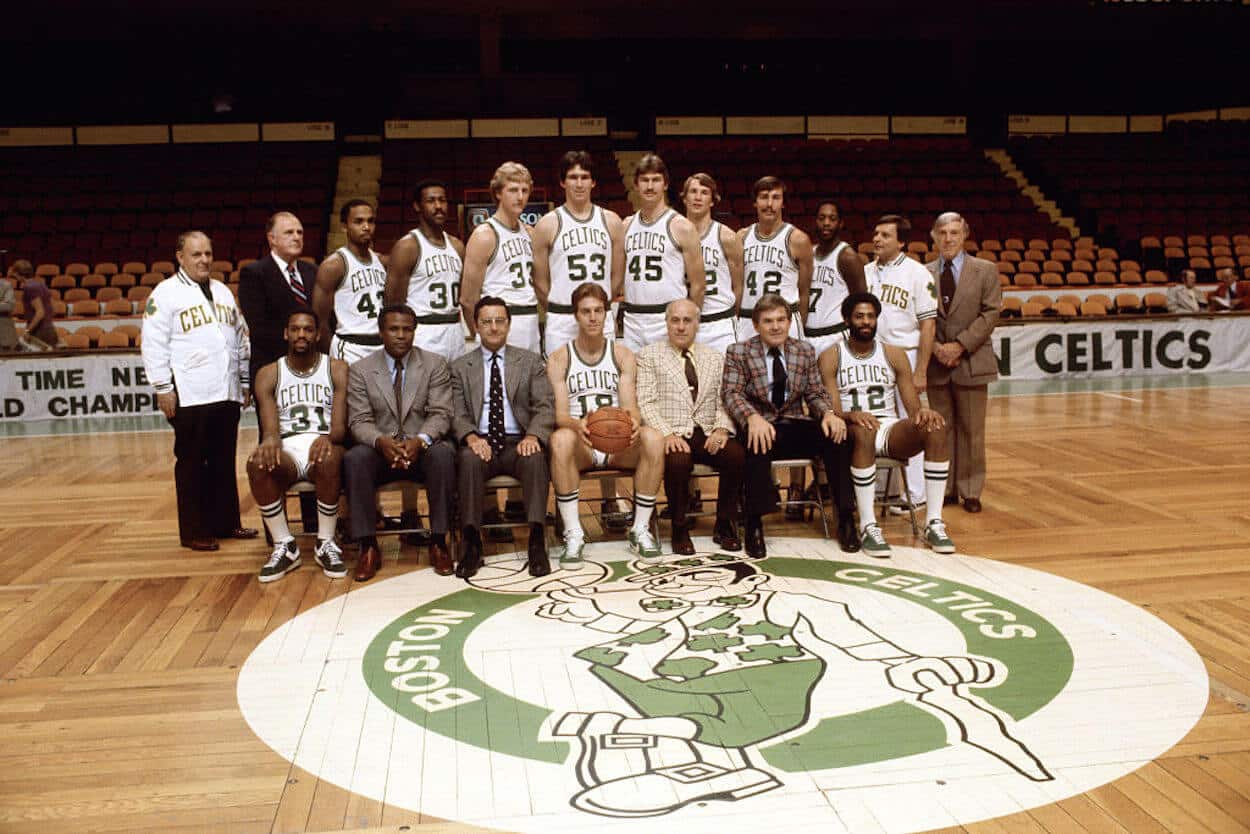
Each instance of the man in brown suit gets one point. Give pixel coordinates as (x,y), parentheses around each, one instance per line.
(963,362)
(398,411)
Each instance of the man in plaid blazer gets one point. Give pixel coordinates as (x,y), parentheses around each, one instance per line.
(767,380)
(679,395)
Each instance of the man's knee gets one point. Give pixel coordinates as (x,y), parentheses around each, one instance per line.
(652,444)
(563,443)
(862,437)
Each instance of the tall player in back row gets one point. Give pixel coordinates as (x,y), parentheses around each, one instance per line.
(722,264)
(837,271)
(499,258)
(577,243)
(776,257)
(349,286)
(424,273)
(663,259)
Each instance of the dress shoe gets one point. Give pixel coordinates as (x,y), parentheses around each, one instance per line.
(725,535)
(440,559)
(201,544)
(755,541)
(538,563)
(950,499)
(242,533)
(682,545)
(470,560)
(368,562)
(972,505)
(848,536)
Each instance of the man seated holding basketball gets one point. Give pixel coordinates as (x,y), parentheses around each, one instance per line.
(866,373)
(590,373)
(302,402)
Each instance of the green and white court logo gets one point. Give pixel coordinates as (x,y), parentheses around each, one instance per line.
(812,687)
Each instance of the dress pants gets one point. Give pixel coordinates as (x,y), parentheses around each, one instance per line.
(364,470)
(963,409)
(205,439)
(531,470)
(727,462)
(797,439)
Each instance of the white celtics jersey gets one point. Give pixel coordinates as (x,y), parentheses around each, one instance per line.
(866,384)
(510,271)
(655,271)
(358,300)
(434,286)
(908,295)
(592,386)
(580,253)
(767,267)
(719,295)
(829,290)
(304,400)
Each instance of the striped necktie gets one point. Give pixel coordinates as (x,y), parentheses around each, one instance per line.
(297,286)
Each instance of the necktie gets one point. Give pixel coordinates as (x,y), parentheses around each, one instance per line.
(399,398)
(779,379)
(494,419)
(297,286)
(948,285)
(692,378)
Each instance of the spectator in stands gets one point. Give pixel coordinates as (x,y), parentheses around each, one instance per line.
(1184,298)
(1224,297)
(37,298)
(8,300)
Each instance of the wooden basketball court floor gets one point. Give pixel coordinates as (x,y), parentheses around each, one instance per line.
(120,652)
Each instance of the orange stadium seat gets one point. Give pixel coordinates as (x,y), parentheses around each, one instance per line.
(1014,243)
(1010,255)
(138,295)
(1074,300)
(47,271)
(1030,267)
(1104,278)
(77,341)
(1155,302)
(63,282)
(151,279)
(1099,298)
(1078,279)
(106,268)
(91,332)
(93,282)
(106,294)
(1045,302)
(222,266)
(1032,309)
(1082,265)
(131,330)
(59,309)
(1035,256)
(1195,240)
(1003,280)
(77,269)
(992,245)
(1061,255)
(88,309)
(1062,243)
(1105,265)
(1220,240)
(1052,266)
(1052,279)
(134,268)
(123,280)
(118,307)
(1066,309)
(1025,279)
(1005,268)
(1092,308)
(1012,307)
(76,294)
(987,255)
(1128,303)
(1130,277)
(1221,251)
(1156,276)
(115,339)
(1108,254)
(1173,241)
(1039,244)
(165,268)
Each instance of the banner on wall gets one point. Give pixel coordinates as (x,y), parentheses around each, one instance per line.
(74,386)
(1087,350)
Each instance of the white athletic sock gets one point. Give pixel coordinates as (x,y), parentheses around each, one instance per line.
(644,505)
(327,520)
(274,516)
(865,482)
(935,475)
(567,504)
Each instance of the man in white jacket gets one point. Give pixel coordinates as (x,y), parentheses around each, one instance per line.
(195,352)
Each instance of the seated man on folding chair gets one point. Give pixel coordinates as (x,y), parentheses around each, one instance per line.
(302,402)
(867,374)
(588,373)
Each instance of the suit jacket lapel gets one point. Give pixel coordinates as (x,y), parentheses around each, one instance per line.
(511,374)
(382,378)
(412,368)
(963,286)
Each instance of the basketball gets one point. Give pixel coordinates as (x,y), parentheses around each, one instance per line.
(610,428)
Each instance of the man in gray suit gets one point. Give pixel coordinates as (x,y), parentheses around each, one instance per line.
(502,415)
(398,411)
(963,362)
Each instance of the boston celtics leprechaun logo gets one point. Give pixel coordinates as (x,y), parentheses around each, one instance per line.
(923,692)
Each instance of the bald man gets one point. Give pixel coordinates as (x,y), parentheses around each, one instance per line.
(679,395)
(270,288)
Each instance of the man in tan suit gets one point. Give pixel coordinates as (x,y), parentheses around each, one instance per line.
(963,362)
(679,396)
(398,410)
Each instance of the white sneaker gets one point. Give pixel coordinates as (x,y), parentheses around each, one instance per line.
(283,560)
(571,556)
(935,536)
(330,557)
(873,543)
(642,544)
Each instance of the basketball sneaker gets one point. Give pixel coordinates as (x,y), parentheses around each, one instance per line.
(935,536)
(642,544)
(571,555)
(283,560)
(873,543)
(330,558)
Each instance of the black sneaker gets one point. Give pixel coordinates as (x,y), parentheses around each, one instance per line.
(330,558)
(283,560)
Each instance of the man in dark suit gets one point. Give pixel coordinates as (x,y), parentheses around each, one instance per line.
(767,380)
(963,362)
(270,288)
(502,415)
(398,411)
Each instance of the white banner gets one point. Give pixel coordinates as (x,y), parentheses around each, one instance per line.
(1135,347)
(44,388)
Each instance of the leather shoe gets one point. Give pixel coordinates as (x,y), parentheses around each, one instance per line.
(470,560)
(368,562)
(539,563)
(755,541)
(242,533)
(848,536)
(725,535)
(972,505)
(440,559)
(201,544)
(682,545)
(950,499)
